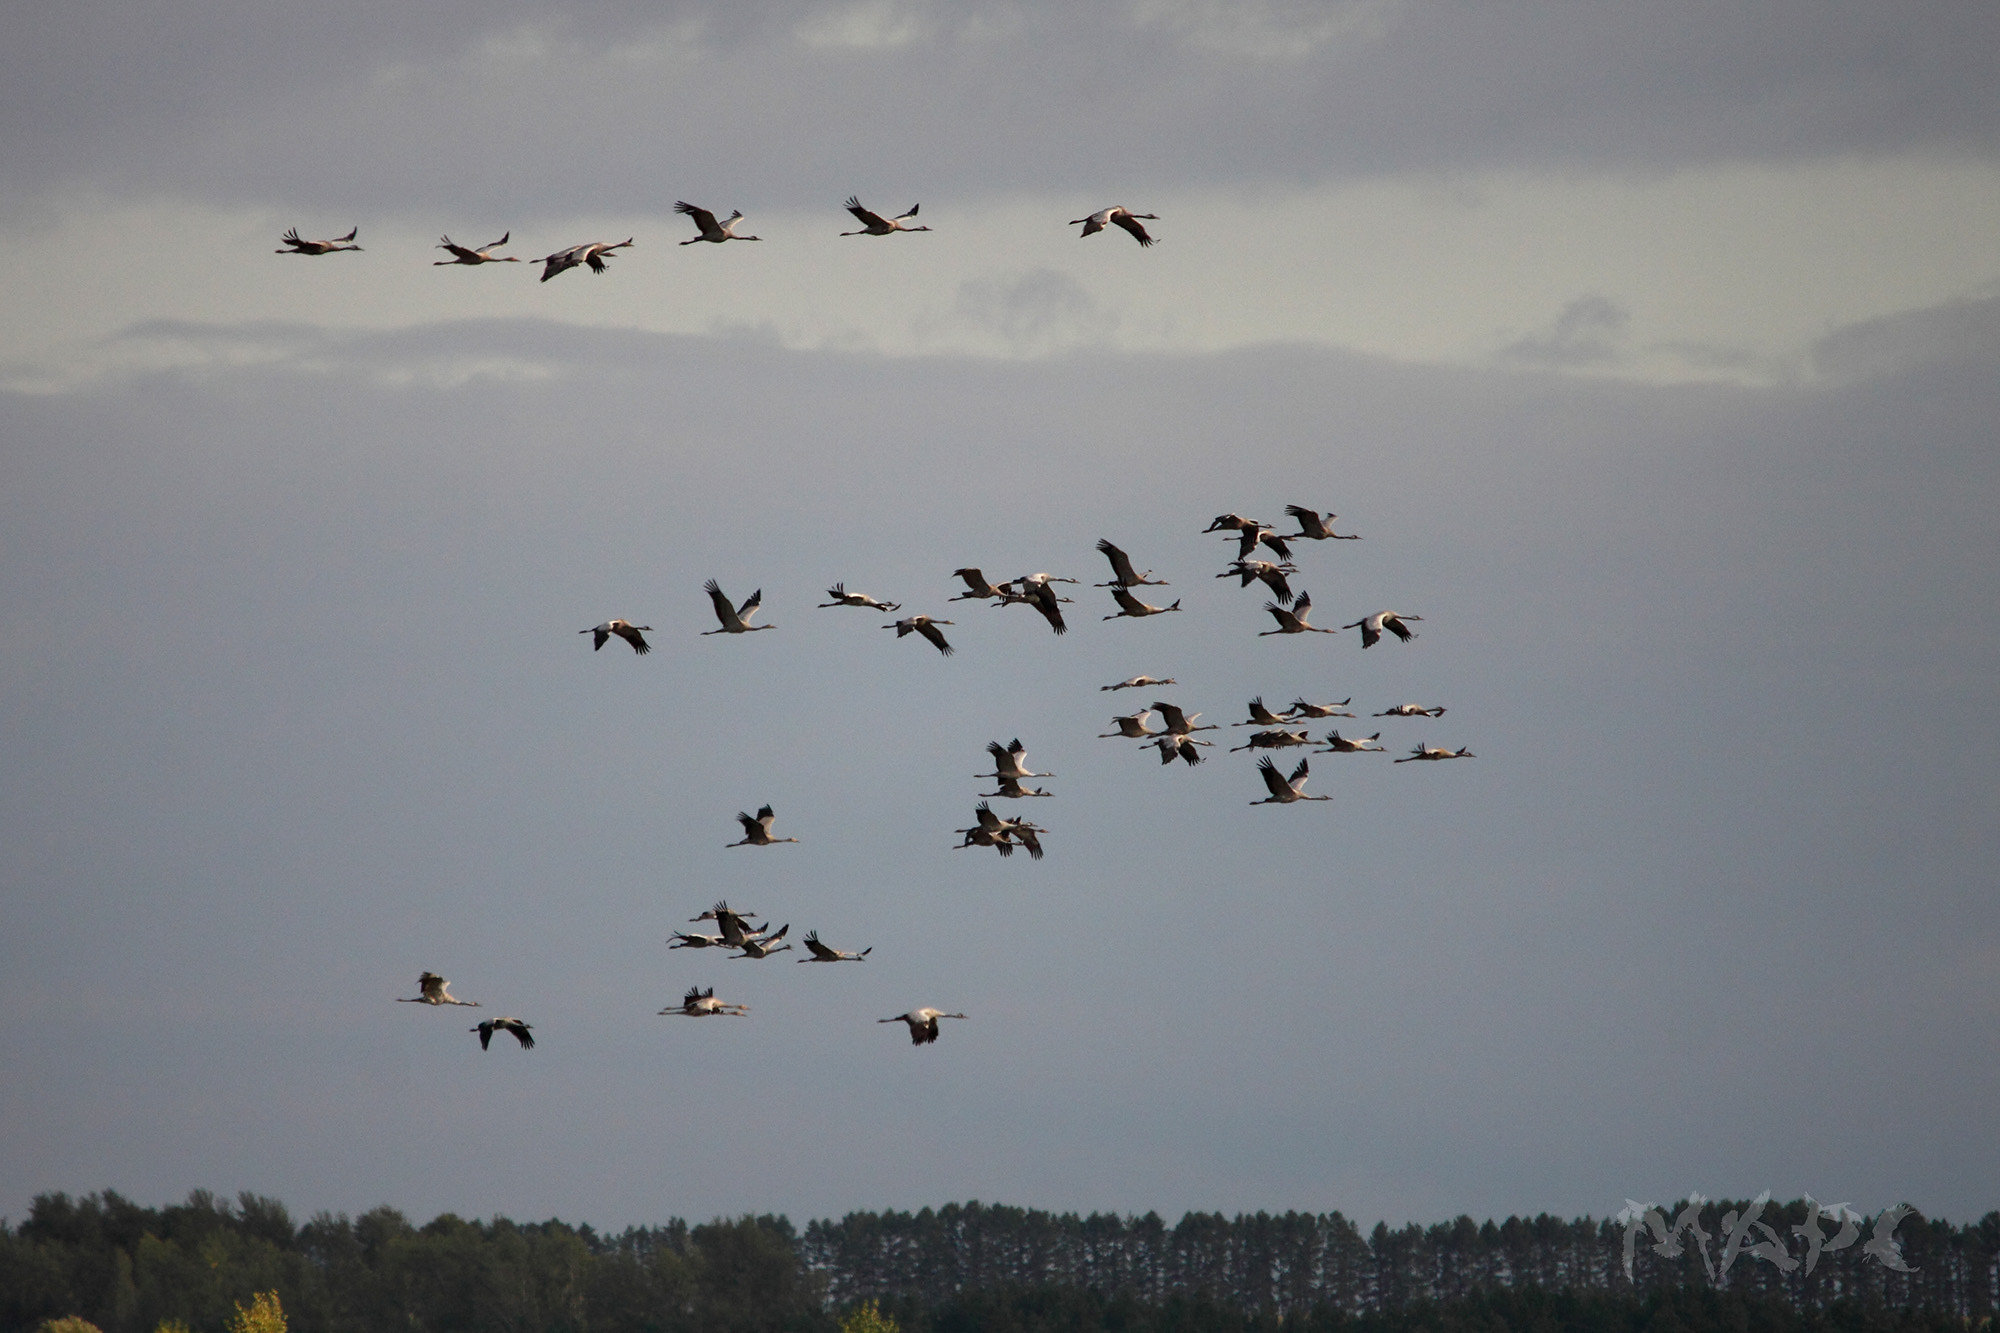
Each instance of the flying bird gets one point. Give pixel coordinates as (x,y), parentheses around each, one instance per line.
(1010,760)
(977,588)
(1882,1242)
(925,626)
(1174,747)
(1408,710)
(874,224)
(735,620)
(513,1025)
(1273,576)
(1315,528)
(683,940)
(1012,789)
(1301,708)
(842,597)
(1247,540)
(1122,573)
(923,1023)
(625,630)
(1131,606)
(1371,627)
(483,255)
(1293,620)
(703,1004)
(1434,752)
(1231,519)
(762,945)
(709,229)
(1285,790)
(1180,723)
(1339,744)
(826,953)
(756,830)
(1117,216)
(434,989)
(1131,727)
(1275,739)
(593,253)
(1138,682)
(295,246)
(735,926)
(1261,716)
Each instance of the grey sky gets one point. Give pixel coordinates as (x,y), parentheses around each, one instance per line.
(292,557)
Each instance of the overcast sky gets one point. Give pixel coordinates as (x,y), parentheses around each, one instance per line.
(1653,350)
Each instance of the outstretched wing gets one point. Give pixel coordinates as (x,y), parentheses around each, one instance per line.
(703,219)
(1121,564)
(936,636)
(1272,778)
(1131,224)
(724,612)
(866,217)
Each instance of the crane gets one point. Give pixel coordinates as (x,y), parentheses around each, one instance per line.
(763,945)
(842,597)
(826,953)
(1138,682)
(295,246)
(699,1003)
(708,228)
(1131,727)
(1179,723)
(513,1025)
(1010,760)
(434,989)
(1272,575)
(1122,573)
(1275,739)
(977,588)
(1435,752)
(1131,606)
(1174,747)
(1339,744)
(1301,708)
(923,1023)
(1117,216)
(735,620)
(1371,627)
(757,829)
(483,255)
(1285,790)
(1315,528)
(925,626)
(625,630)
(874,224)
(593,253)
(1410,710)
(1261,716)
(1012,789)
(1293,621)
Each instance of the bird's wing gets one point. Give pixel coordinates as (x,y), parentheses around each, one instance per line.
(703,219)
(1132,224)
(1045,602)
(1121,563)
(1276,543)
(350,235)
(866,217)
(520,1031)
(458,250)
(936,636)
(765,816)
(723,610)
(631,635)
(750,826)
(755,600)
(485,1031)
(1272,778)
(1132,605)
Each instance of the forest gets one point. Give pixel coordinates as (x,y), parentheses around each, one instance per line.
(966,1268)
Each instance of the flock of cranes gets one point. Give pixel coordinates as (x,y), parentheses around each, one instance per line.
(708,227)
(1177,739)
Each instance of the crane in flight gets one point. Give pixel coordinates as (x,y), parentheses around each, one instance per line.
(756,829)
(923,1023)
(625,630)
(513,1025)
(1293,620)
(1434,752)
(593,253)
(927,627)
(1285,790)
(842,597)
(1123,575)
(483,255)
(295,246)
(708,229)
(699,1003)
(434,989)
(1371,627)
(1117,216)
(874,224)
(1339,744)
(1314,527)
(1138,682)
(826,953)
(735,619)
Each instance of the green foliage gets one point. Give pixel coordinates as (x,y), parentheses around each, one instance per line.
(867,1317)
(68,1324)
(172,1326)
(263,1315)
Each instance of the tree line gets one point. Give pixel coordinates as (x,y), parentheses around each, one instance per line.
(963,1268)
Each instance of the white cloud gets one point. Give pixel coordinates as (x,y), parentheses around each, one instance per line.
(866,25)
(1278,30)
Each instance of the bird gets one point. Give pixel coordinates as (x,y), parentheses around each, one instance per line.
(625,630)
(1275,739)
(295,246)
(1010,760)
(1131,727)
(1174,747)
(1293,621)
(757,829)
(593,253)
(990,830)
(1315,528)
(977,588)
(1409,710)
(1138,682)
(874,224)
(826,953)
(925,626)
(1434,752)
(842,597)
(1043,598)
(434,989)
(483,255)
(1117,216)
(1122,573)
(735,926)
(761,946)
(1178,722)
(923,1023)
(1128,605)
(735,620)
(1301,708)
(1285,790)
(513,1025)
(1261,716)
(1012,789)
(1273,576)
(709,228)
(977,836)
(1247,540)
(1882,1242)
(699,1003)
(683,940)
(1232,519)
(1339,744)
(1371,627)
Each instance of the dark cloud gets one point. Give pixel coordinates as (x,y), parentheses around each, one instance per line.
(1590,331)
(509,108)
